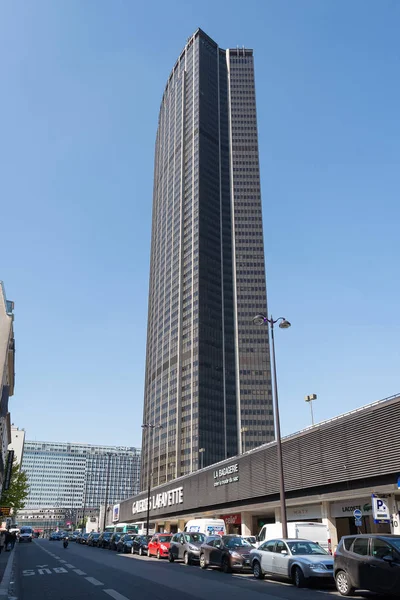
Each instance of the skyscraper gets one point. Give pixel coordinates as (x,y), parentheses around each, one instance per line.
(207,380)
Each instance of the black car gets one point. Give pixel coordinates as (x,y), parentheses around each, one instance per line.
(93,538)
(104,539)
(83,538)
(114,541)
(140,544)
(229,552)
(125,543)
(55,536)
(368,562)
(186,547)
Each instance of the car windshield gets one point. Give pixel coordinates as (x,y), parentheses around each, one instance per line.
(107,534)
(305,548)
(195,537)
(236,542)
(164,538)
(96,535)
(85,535)
(395,542)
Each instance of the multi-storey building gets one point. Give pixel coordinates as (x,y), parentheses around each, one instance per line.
(7,374)
(207,374)
(69,475)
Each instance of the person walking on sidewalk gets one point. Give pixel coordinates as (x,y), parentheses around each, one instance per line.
(2,540)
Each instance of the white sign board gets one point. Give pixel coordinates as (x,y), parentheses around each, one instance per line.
(380,510)
(304,513)
(347,507)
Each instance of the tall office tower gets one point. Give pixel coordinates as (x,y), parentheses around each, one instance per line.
(207,380)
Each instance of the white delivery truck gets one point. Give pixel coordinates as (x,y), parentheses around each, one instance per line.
(206,526)
(316,532)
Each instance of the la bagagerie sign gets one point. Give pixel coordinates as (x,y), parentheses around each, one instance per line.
(161,500)
(226,475)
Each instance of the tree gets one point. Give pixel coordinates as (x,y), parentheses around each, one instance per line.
(18,491)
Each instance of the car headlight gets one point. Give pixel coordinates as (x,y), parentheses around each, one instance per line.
(235,555)
(163,547)
(195,548)
(317,567)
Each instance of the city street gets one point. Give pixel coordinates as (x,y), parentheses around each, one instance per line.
(44,570)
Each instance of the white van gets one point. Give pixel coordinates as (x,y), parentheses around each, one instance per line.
(316,532)
(25,534)
(206,526)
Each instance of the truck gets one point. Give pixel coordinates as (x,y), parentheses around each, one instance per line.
(315,532)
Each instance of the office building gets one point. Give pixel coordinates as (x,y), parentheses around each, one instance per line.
(7,375)
(17,443)
(207,378)
(69,475)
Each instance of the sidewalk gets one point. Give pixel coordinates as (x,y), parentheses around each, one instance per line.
(4,556)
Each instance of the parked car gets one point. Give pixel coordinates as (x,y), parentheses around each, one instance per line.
(159,545)
(140,544)
(125,543)
(55,536)
(186,547)
(93,538)
(301,530)
(83,538)
(229,552)
(104,539)
(298,560)
(368,562)
(114,539)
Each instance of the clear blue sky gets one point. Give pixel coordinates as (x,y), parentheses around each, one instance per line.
(81,88)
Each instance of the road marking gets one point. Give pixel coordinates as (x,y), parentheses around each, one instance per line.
(69,566)
(93,581)
(43,571)
(60,570)
(54,556)
(79,572)
(41,566)
(28,572)
(115,595)
(62,561)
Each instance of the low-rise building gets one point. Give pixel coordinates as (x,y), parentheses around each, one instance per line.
(7,375)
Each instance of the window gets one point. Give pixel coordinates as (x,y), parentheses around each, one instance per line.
(281,547)
(380,548)
(361,546)
(347,542)
(268,546)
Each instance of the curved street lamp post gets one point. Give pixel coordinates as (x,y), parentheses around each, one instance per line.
(283,324)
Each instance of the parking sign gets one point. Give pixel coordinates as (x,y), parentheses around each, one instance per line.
(380,510)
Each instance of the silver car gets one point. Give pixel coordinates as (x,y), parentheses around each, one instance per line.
(297,560)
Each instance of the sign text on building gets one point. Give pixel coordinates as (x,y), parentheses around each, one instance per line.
(226,475)
(161,500)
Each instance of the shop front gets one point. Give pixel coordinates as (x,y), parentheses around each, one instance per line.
(343,512)
(233,523)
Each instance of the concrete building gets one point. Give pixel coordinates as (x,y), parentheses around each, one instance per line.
(17,442)
(330,470)
(208,373)
(70,475)
(7,374)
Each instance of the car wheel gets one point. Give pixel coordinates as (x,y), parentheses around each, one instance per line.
(298,577)
(226,567)
(132,552)
(140,552)
(343,584)
(257,571)
(203,562)
(158,555)
(187,559)
(171,557)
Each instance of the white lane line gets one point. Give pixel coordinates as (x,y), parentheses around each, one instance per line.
(115,595)
(93,581)
(62,561)
(53,555)
(79,572)
(69,566)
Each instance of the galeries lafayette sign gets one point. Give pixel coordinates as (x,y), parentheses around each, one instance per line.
(161,500)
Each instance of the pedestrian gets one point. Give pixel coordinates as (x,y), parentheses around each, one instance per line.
(13,539)
(8,541)
(2,540)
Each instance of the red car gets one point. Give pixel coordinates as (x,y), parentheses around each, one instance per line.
(159,545)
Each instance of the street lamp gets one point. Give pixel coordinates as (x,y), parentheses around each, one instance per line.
(201,452)
(310,399)
(283,324)
(243,431)
(106,494)
(150,428)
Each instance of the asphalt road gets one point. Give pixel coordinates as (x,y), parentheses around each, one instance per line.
(44,570)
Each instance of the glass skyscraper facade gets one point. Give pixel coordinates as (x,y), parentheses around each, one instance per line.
(63,475)
(207,366)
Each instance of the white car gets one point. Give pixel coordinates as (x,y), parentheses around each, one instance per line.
(294,559)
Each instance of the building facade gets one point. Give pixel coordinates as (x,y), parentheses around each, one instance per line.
(17,443)
(331,469)
(69,475)
(207,373)
(7,375)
